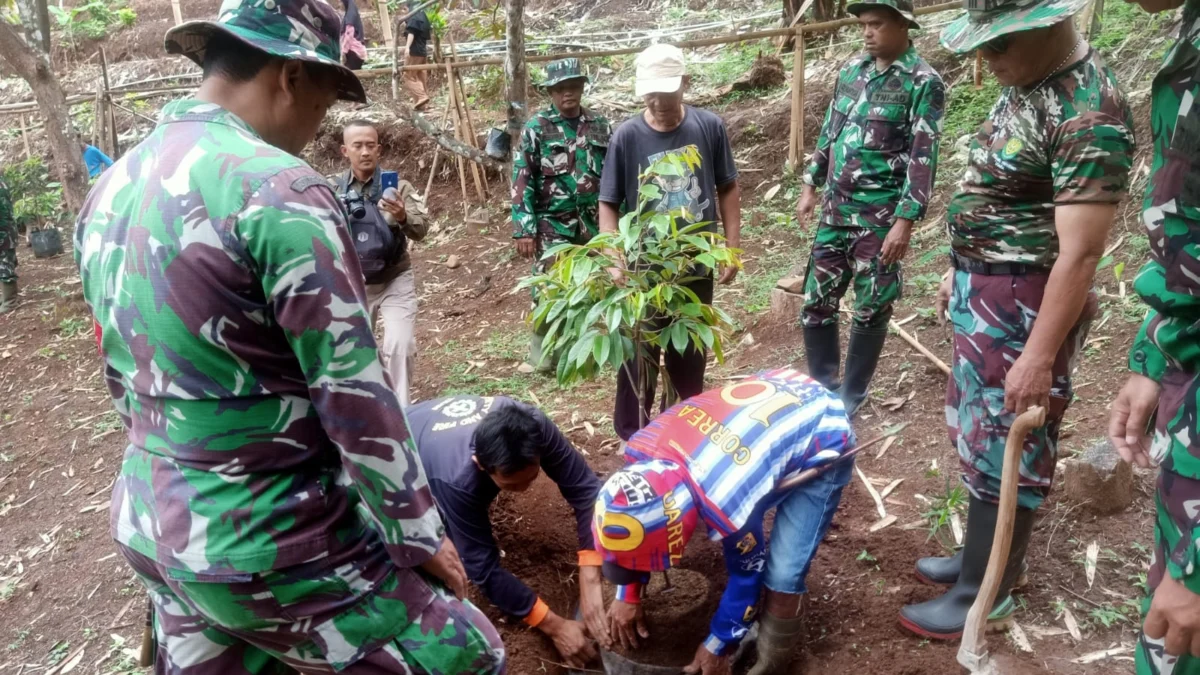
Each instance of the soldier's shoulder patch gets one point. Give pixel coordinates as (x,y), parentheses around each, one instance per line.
(305,182)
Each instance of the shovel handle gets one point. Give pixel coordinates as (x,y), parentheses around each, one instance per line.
(974,641)
(809,474)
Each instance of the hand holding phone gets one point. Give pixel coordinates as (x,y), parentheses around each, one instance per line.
(389,179)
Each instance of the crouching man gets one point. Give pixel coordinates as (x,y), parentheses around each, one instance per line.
(718,458)
(473,448)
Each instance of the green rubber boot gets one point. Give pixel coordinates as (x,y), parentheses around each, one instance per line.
(8,296)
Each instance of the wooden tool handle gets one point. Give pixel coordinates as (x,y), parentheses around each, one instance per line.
(809,474)
(974,644)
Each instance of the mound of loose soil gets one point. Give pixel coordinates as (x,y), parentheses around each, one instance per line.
(677,616)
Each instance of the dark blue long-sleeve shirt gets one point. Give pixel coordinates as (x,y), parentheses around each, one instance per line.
(444,430)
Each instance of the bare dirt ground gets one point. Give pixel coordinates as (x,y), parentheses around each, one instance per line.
(68,603)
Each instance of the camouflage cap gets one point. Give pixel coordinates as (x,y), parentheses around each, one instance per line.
(563,70)
(902,7)
(989,19)
(306,30)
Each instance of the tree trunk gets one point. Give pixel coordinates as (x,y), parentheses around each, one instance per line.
(446,141)
(825,10)
(515,72)
(34,67)
(35,19)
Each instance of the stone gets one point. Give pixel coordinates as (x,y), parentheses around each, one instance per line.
(479,217)
(791,284)
(1099,480)
(786,306)
(452,261)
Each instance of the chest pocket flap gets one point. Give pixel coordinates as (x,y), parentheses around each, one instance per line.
(556,154)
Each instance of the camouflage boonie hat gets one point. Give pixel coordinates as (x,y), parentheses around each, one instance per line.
(306,30)
(902,7)
(563,70)
(989,19)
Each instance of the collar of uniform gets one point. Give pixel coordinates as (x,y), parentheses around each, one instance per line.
(555,116)
(350,178)
(193,110)
(907,61)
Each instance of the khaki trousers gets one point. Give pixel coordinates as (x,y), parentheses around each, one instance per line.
(396,302)
(415,80)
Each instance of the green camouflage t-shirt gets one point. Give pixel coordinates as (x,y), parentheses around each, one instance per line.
(1069,141)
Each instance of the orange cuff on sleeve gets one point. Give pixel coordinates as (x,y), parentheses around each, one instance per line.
(537,614)
(590,559)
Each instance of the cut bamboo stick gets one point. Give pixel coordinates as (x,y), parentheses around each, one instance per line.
(437,152)
(796,142)
(904,335)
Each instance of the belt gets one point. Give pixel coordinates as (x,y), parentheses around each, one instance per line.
(994,269)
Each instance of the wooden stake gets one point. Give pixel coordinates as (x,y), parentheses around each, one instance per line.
(175,9)
(384,19)
(978,69)
(796,144)
(112,114)
(437,151)
(904,335)
(462,174)
(477,171)
(461,126)
(25,138)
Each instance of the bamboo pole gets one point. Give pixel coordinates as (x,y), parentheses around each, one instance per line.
(25,138)
(112,114)
(388,38)
(437,151)
(462,174)
(477,171)
(912,341)
(175,9)
(460,123)
(978,69)
(796,142)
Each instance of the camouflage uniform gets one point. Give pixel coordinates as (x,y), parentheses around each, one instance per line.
(877,154)
(270,497)
(8,236)
(1166,348)
(1069,141)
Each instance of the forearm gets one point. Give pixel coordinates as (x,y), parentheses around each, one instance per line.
(729,202)
(610,217)
(1064,298)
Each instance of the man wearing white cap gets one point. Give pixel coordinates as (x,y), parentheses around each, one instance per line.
(709,193)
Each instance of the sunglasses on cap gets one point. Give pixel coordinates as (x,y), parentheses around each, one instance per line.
(997,45)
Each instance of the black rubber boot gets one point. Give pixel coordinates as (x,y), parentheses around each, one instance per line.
(824,355)
(943,617)
(866,344)
(943,571)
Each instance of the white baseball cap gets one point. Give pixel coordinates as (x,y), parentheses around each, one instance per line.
(660,69)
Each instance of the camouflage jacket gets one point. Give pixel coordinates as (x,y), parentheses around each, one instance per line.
(8,221)
(878,149)
(1170,281)
(1069,141)
(556,175)
(239,354)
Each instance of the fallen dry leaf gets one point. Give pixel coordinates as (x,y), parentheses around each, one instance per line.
(873,492)
(886,444)
(590,429)
(882,523)
(772,192)
(1018,638)
(894,403)
(1072,624)
(956,528)
(1092,657)
(1089,563)
(1043,632)
(890,487)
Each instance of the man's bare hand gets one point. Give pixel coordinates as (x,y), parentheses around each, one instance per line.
(1174,617)
(591,605)
(1027,384)
(617,275)
(1129,423)
(806,206)
(447,566)
(728,274)
(395,208)
(570,640)
(525,247)
(942,303)
(626,622)
(707,663)
(895,246)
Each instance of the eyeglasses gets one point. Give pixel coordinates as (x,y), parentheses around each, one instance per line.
(997,45)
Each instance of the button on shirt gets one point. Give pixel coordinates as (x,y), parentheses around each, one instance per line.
(878,149)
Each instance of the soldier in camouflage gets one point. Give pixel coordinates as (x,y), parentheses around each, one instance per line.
(1165,362)
(8,250)
(1044,175)
(270,497)
(556,176)
(877,158)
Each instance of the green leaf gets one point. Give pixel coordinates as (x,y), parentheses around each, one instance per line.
(649,192)
(1104,262)
(679,337)
(600,348)
(706,335)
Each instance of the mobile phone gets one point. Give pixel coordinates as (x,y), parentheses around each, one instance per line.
(389,179)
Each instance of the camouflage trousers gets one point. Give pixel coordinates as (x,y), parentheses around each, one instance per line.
(8,253)
(1177,513)
(842,254)
(348,616)
(992,317)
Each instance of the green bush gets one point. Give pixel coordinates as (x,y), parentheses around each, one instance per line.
(93,20)
(36,198)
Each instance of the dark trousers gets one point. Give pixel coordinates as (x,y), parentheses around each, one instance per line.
(685,371)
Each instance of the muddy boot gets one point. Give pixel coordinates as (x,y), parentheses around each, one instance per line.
(862,355)
(823,354)
(943,571)
(778,633)
(535,363)
(944,617)
(8,296)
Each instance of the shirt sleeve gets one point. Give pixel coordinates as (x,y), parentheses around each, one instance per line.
(724,167)
(745,561)
(526,162)
(1091,157)
(576,481)
(928,109)
(416,222)
(293,232)
(471,531)
(818,166)
(612,179)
